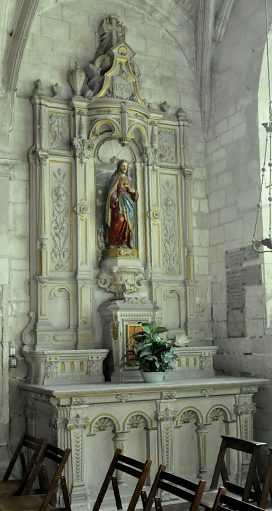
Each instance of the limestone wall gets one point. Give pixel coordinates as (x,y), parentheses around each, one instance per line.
(233,187)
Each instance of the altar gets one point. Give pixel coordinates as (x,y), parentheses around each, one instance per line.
(112,247)
(176,423)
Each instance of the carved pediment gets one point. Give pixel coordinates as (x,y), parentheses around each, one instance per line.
(114,73)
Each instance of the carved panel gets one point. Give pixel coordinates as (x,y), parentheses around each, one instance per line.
(59,131)
(170,232)
(60,216)
(167,146)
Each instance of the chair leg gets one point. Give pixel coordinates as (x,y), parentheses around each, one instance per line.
(106,481)
(65,493)
(116,492)
(144,498)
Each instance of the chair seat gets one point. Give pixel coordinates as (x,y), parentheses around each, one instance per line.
(207,499)
(9,487)
(21,503)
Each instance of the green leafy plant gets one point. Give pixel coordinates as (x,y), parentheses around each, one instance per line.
(152,352)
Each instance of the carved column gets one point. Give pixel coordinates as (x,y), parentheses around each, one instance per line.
(83,149)
(201,434)
(76,428)
(43,213)
(244,409)
(43,236)
(165,416)
(189,245)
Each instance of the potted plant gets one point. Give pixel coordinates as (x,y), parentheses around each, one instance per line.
(154,353)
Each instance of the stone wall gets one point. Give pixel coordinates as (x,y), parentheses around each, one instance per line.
(233,185)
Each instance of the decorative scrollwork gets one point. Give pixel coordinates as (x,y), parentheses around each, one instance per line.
(169,227)
(123,397)
(59,224)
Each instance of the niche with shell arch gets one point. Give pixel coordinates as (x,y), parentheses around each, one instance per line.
(219,420)
(186,438)
(138,424)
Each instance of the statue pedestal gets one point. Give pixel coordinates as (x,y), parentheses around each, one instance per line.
(121,272)
(121,318)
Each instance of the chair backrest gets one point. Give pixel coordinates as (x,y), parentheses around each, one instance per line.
(59,457)
(129,466)
(267,485)
(185,489)
(225,502)
(29,467)
(251,489)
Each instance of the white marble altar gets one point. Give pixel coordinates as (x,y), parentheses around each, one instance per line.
(178,423)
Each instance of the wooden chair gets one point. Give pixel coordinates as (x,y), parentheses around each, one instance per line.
(46,501)
(267,485)
(225,502)
(129,466)
(178,486)
(29,469)
(251,490)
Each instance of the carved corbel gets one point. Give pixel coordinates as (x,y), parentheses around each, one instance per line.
(83,149)
(121,282)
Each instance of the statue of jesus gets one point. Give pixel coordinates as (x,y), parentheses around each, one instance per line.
(120,208)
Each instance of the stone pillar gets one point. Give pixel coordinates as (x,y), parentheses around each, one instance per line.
(201,434)
(6,171)
(77,428)
(83,149)
(244,409)
(165,416)
(119,441)
(188,228)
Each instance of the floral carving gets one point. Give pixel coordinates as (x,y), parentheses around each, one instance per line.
(169,227)
(59,136)
(167,146)
(59,224)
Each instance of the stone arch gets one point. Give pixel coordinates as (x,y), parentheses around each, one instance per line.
(98,125)
(135,126)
